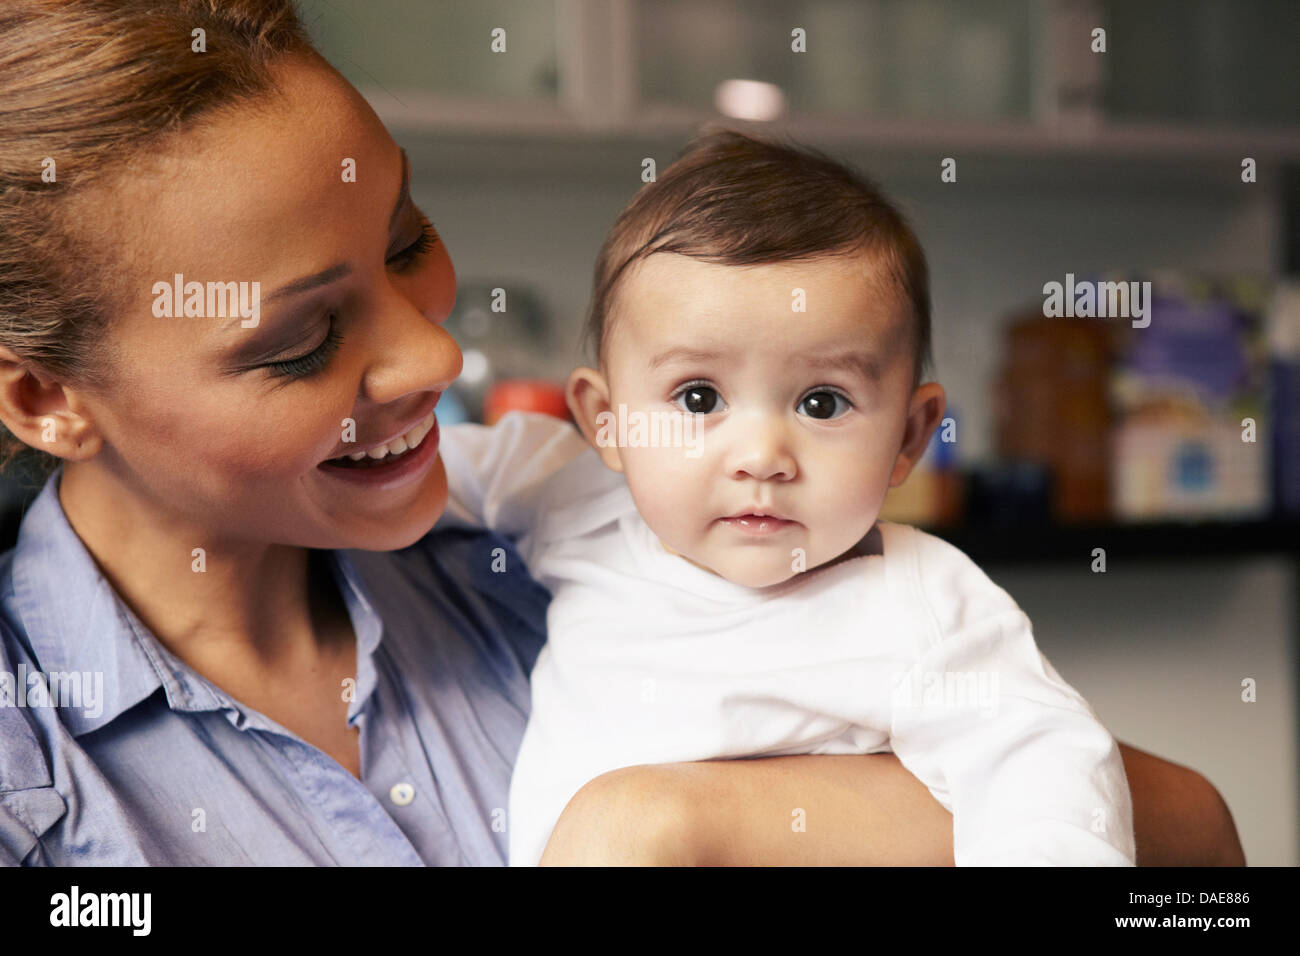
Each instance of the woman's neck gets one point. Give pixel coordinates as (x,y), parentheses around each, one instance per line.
(250,599)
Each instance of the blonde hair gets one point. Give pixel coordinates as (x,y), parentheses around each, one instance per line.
(87,85)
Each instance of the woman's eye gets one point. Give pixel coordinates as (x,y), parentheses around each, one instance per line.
(313,361)
(824,405)
(407,257)
(699,399)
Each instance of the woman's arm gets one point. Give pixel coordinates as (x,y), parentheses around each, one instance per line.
(1179,818)
(842,810)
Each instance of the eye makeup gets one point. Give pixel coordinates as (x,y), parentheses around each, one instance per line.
(424,243)
(313,361)
(307,365)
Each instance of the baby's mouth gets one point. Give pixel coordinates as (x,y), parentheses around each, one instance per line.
(758,524)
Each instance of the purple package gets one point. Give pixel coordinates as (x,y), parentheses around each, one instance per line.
(1201,345)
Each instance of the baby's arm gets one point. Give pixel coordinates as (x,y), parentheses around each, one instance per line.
(509,476)
(1028,771)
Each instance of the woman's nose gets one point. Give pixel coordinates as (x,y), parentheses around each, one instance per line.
(760,449)
(411,354)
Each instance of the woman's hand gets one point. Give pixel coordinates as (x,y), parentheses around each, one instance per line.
(841,811)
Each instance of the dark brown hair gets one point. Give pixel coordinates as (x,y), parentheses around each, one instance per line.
(734,199)
(89,84)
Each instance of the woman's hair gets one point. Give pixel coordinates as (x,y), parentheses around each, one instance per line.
(738,200)
(88,85)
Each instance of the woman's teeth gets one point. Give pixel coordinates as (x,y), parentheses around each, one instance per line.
(402,443)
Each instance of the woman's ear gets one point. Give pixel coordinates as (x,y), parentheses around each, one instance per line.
(42,412)
(587,393)
(924,413)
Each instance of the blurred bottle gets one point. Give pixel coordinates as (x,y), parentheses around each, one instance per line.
(503,332)
(1051,410)
(451,410)
(524,395)
(1284,343)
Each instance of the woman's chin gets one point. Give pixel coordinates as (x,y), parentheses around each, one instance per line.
(405,524)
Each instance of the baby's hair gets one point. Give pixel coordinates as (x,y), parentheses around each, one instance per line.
(734,199)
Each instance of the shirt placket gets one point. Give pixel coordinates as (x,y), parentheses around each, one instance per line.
(400,777)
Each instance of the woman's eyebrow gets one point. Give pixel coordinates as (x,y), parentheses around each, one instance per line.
(336,272)
(307,283)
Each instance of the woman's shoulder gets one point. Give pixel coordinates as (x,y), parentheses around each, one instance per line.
(29,803)
(29,732)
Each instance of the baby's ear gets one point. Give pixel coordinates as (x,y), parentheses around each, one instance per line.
(587,393)
(925,411)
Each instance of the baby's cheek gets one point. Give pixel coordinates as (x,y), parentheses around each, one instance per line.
(667,495)
(663,472)
(842,516)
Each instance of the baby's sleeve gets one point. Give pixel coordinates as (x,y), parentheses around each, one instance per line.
(507,476)
(1030,774)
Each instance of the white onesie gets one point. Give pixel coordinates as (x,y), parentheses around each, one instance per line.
(650,659)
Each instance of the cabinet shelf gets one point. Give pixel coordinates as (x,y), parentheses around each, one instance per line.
(1019,544)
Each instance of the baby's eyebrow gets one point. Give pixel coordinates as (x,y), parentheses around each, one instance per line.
(682,353)
(860,363)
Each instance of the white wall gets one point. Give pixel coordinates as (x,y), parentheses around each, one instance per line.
(1160,650)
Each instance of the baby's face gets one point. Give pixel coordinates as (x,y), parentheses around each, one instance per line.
(801,414)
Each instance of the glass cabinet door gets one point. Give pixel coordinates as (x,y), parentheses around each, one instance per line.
(922,59)
(1232,62)
(443,47)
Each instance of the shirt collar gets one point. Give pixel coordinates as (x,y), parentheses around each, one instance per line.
(75,621)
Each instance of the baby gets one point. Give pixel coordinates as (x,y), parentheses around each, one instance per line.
(721,584)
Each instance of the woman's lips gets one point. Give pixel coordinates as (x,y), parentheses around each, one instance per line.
(758,525)
(400,470)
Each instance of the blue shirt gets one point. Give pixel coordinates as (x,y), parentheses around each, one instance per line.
(165,768)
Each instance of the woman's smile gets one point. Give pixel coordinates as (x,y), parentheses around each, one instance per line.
(392,464)
(394,471)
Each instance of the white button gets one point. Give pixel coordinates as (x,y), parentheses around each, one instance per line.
(402,794)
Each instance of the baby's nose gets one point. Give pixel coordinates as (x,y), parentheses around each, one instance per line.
(762,452)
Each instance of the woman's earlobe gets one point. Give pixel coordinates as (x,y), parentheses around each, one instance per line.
(42,413)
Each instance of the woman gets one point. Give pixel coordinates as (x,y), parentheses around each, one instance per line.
(290,668)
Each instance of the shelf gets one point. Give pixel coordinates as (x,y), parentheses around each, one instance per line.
(511,141)
(1009,87)
(1189,540)
(421,111)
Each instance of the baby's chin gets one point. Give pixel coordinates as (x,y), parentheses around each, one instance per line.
(750,572)
(761,579)
(764,570)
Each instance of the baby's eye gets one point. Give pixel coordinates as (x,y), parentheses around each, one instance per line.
(699,399)
(824,404)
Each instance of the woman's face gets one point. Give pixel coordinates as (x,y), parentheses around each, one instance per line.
(228,427)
